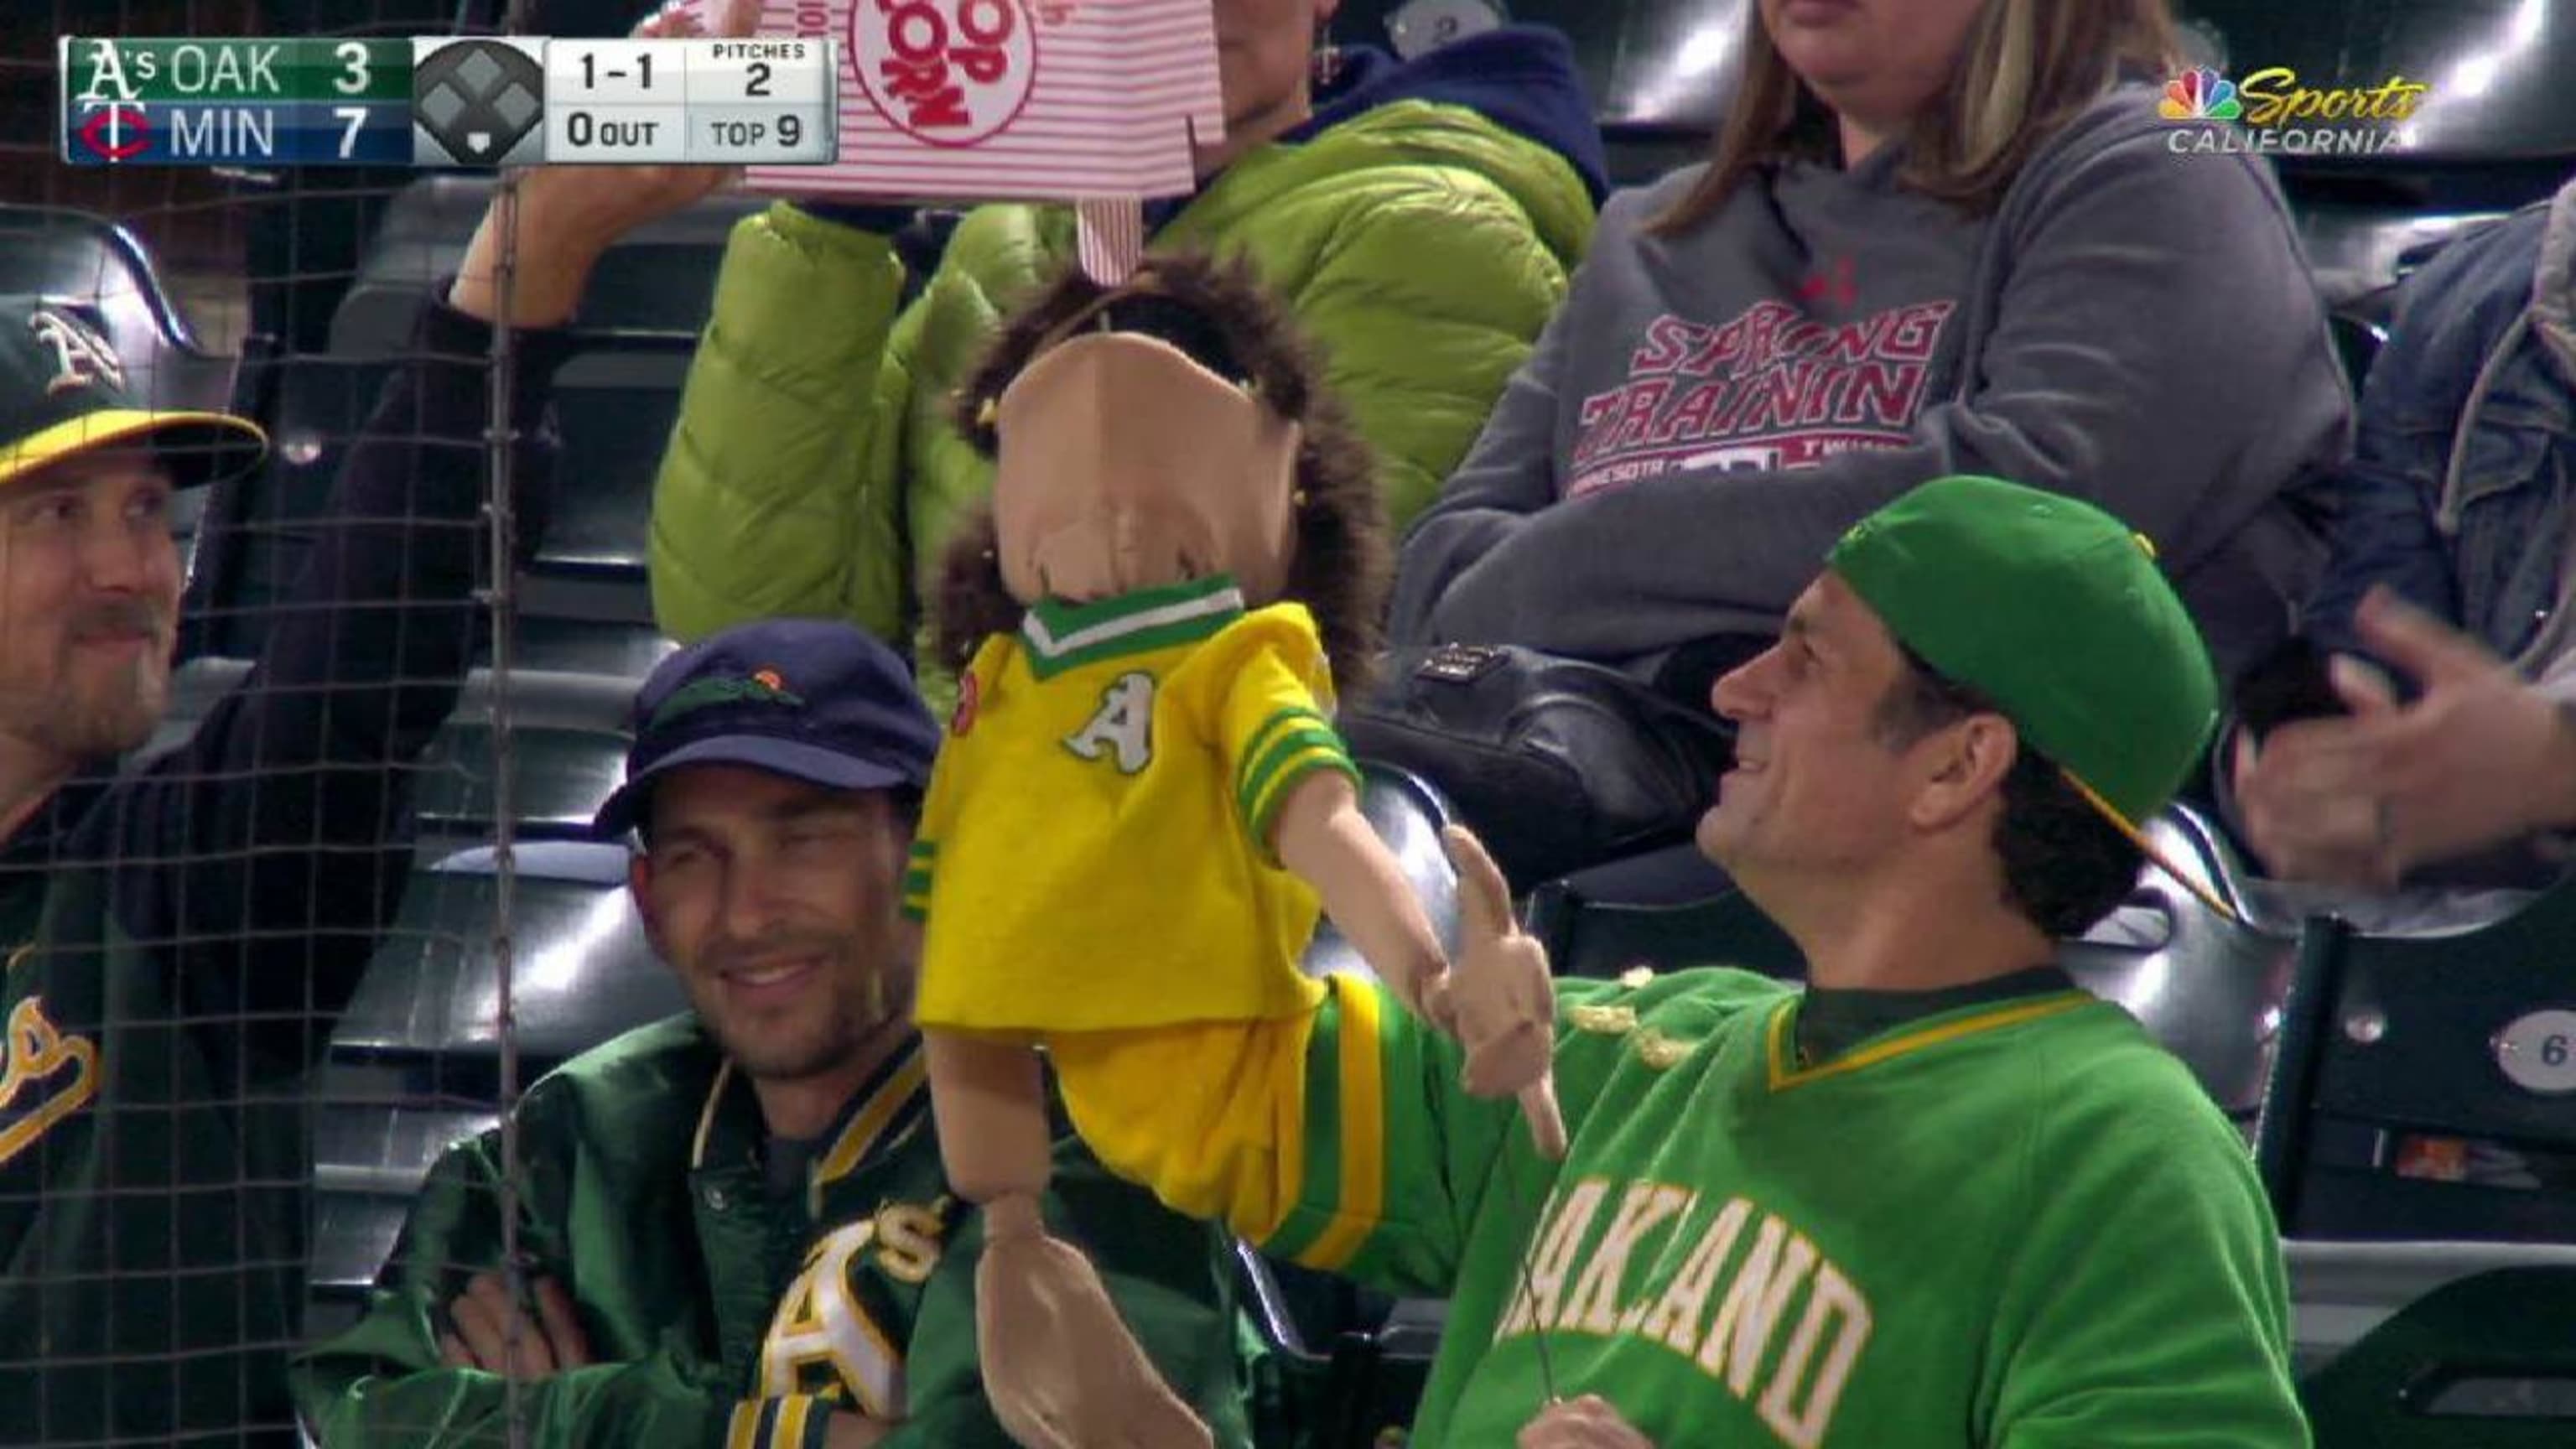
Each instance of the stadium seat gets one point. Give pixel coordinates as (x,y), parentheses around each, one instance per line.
(2420,1089)
(613,406)
(567,752)
(1591,937)
(614,403)
(658,279)
(1408,815)
(370,1156)
(2207,987)
(567,747)
(259,528)
(2477,1357)
(581,973)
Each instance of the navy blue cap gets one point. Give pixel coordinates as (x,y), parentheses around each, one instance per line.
(822,702)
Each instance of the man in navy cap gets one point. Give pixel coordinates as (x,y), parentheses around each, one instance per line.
(734,1222)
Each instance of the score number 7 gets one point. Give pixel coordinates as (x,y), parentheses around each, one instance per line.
(356,116)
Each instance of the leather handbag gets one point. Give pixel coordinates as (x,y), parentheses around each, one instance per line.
(1555,763)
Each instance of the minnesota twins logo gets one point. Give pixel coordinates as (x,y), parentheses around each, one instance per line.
(83,357)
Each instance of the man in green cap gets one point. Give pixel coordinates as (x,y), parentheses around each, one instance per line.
(1938,1197)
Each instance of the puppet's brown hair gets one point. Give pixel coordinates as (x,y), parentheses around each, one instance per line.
(1342,565)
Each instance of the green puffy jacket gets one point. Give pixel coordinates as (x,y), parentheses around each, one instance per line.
(814,470)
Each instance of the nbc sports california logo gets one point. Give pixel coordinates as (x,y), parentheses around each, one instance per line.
(2269,111)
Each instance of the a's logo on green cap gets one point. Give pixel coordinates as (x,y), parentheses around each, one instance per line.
(763,687)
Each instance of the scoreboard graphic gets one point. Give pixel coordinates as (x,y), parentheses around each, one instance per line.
(440,101)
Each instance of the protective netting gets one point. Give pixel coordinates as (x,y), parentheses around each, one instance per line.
(275,947)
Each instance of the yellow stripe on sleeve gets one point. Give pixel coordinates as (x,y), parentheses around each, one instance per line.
(744,1430)
(1361,1115)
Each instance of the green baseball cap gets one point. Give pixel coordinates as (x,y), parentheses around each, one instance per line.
(2056,611)
(64,390)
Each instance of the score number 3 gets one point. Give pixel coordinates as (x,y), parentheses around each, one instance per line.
(353,79)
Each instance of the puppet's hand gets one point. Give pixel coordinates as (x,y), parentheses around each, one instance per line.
(1585,1423)
(1497,999)
(1061,1369)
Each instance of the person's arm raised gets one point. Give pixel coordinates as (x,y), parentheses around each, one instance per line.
(547,229)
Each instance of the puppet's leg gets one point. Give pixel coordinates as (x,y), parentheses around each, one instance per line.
(1059,1364)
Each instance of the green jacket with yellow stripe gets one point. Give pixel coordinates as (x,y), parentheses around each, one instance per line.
(720,1313)
(2018,1225)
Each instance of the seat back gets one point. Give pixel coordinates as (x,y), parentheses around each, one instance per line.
(2422,1085)
(2484,1361)
(1591,937)
(261,527)
(2207,987)
(1408,815)
(567,748)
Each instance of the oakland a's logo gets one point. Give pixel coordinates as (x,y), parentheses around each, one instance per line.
(83,357)
(33,1055)
(825,1338)
(1123,727)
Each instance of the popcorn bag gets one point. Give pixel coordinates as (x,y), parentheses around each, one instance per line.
(1095,102)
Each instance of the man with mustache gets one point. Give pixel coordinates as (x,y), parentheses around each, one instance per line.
(736,1223)
(180,933)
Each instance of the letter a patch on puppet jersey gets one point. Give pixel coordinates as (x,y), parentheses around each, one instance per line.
(1124,727)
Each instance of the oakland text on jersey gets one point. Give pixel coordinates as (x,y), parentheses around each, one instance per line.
(1743,1275)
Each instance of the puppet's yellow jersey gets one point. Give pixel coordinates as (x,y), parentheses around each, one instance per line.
(1095,851)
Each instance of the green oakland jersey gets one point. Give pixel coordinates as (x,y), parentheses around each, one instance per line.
(2019,1225)
(722,1313)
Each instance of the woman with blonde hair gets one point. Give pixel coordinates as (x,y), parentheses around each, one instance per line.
(1936,236)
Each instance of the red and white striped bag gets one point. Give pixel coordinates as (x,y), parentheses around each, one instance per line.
(1096,102)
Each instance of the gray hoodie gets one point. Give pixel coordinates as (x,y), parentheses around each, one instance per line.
(1708,412)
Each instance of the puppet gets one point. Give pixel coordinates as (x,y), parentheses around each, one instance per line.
(1142,804)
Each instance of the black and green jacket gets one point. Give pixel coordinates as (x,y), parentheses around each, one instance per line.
(179,936)
(721,1310)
